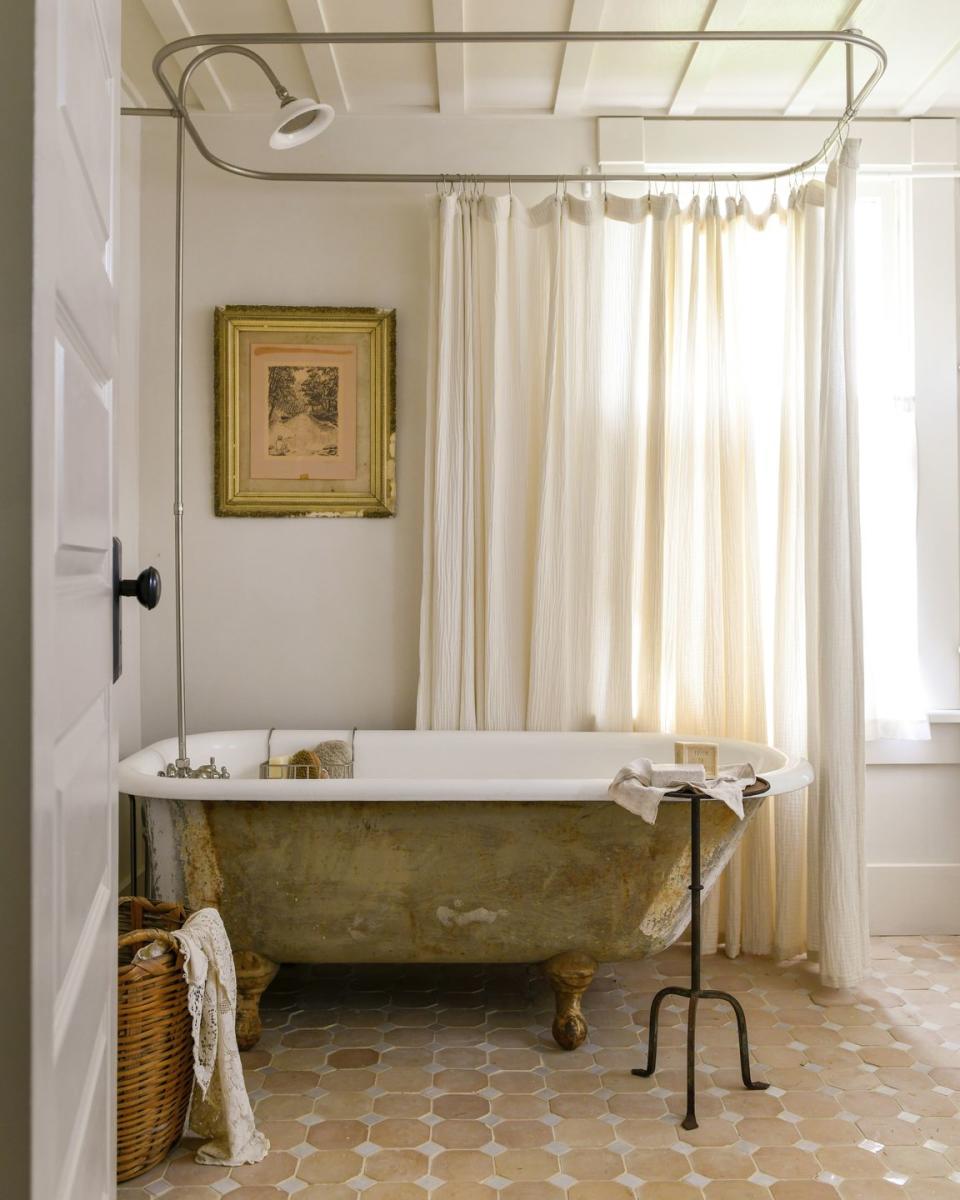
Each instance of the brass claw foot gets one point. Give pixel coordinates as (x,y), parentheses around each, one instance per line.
(255,973)
(570,974)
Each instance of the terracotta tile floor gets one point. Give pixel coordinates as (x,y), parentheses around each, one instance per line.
(398,1083)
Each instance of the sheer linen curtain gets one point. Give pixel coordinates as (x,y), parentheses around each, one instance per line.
(641,507)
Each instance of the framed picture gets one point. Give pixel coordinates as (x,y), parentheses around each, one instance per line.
(305,417)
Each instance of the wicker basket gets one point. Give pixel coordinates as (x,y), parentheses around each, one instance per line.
(154,1039)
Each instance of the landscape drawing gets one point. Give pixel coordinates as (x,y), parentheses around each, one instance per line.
(303,411)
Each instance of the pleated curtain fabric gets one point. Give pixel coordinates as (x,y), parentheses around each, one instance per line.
(641,507)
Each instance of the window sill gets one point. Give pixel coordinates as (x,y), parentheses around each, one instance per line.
(943,747)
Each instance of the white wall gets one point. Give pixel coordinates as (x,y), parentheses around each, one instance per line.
(315,622)
(913,834)
(296,622)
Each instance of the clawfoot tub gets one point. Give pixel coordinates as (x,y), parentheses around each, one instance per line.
(444,847)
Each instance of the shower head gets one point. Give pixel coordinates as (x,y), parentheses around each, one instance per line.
(300,120)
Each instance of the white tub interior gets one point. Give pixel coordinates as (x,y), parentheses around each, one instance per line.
(409,765)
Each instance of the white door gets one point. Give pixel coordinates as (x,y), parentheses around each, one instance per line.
(74,749)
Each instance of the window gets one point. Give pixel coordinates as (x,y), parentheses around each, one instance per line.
(761,332)
(895,704)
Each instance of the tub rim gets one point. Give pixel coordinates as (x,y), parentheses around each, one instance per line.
(137,775)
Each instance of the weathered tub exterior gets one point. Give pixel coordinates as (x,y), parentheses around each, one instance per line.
(444,847)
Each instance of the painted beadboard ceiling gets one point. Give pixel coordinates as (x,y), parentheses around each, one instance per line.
(922,39)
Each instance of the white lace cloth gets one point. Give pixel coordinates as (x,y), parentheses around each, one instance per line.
(219,1108)
(632,788)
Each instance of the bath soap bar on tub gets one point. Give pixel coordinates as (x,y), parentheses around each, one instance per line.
(668,775)
(273,767)
(704,753)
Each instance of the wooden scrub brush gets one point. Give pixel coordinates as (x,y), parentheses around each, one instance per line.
(310,760)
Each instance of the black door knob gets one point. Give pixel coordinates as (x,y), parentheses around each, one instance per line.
(146,587)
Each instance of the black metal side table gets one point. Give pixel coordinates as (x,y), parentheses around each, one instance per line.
(695,992)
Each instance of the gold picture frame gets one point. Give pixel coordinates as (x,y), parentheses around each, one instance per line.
(305,411)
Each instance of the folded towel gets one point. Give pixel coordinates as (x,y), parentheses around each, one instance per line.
(634,787)
(674,775)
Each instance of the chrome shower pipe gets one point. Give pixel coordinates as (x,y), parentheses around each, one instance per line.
(848,69)
(849,38)
(182,766)
(183,761)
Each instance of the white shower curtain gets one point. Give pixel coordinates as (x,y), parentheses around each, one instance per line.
(641,507)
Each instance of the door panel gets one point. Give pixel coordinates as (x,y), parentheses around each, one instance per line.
(83,426)
(90,1168)
(74,750)
(81,834)
(86,101)
(84,287)
(82,642)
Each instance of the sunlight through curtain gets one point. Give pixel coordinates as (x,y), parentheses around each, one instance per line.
(641,507)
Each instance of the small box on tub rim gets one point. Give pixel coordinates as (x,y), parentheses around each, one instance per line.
(698,752)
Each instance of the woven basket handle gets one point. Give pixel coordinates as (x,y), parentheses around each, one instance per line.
(140,906)
(140,937)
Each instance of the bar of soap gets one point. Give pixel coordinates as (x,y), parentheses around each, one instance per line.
(666,775)
(273,767)
(706,753)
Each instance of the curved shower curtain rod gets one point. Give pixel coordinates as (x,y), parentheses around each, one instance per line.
(239,43)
